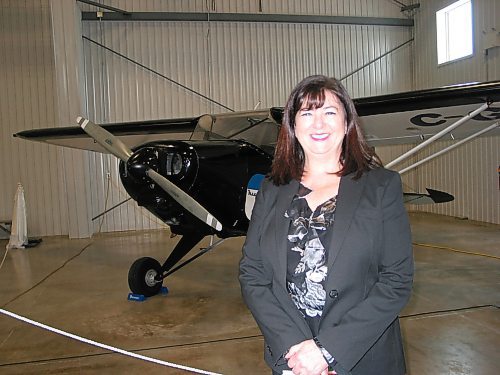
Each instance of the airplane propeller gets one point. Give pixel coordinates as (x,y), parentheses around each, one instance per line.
(122,152)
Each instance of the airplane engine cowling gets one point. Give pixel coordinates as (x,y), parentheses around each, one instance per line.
(215,173)
(177,161)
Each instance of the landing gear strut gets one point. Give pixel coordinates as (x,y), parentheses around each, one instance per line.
(146,275)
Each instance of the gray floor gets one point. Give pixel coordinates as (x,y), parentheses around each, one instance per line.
(451,325)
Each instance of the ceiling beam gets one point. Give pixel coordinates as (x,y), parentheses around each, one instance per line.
(244,17)
(104,6)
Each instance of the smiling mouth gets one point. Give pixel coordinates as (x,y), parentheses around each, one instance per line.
(319,137)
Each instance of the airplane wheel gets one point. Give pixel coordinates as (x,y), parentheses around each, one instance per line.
(141,277)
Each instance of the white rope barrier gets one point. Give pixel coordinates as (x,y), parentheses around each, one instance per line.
(104,346)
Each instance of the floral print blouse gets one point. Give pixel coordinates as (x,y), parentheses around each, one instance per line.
(307,258)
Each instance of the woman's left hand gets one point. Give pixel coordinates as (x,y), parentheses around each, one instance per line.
(305,358)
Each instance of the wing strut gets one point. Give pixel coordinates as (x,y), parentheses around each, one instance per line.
(437,136)
(449,148)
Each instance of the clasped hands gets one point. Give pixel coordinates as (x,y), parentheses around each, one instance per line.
(305,358)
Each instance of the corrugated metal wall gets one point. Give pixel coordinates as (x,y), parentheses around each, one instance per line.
(470,172)
(478,68)
(27,100)
(238,64)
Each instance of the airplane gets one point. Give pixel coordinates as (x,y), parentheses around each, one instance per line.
(200,175)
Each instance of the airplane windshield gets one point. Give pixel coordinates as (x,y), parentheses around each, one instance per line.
(257,127)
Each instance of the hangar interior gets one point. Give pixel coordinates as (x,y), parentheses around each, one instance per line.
(60,59)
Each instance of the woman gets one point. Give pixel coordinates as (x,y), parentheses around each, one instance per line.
(327,263)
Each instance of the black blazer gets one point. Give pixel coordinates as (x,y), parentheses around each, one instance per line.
(370,274)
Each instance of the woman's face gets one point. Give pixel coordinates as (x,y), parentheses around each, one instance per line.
(320,131)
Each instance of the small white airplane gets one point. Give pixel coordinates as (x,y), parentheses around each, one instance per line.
(182,169)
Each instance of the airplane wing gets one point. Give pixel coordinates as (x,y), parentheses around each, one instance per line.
(256,127)
(409,117)
(412,117)
(131,133)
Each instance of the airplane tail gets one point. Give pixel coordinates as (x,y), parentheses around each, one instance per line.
(440,196)
(433,196)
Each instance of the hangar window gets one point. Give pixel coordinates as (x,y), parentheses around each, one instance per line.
(454,31)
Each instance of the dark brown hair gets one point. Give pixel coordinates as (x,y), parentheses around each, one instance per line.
(356,156)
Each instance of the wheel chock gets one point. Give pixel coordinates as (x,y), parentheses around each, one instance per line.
(136,297)
(141,297)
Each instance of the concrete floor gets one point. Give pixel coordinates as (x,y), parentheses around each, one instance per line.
(451,325)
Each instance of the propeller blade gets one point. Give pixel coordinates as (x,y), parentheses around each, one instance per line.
(185,200)
(121,151)
(105,139)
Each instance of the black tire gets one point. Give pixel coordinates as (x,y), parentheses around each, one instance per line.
(141,277)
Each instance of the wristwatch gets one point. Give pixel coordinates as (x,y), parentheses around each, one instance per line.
(326,354)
